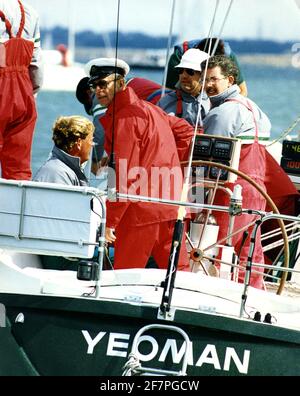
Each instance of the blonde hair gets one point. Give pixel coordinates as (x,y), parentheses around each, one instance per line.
(67,131)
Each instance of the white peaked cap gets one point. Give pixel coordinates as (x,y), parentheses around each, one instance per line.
(106,66)
(192,59)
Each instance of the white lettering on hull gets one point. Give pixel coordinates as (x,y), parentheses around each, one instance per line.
(231,355)
(92,342)
(116,346)
(209,356)
(113,344)
(177,356)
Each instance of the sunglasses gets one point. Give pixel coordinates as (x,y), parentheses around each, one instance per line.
(190,72)
(102,84)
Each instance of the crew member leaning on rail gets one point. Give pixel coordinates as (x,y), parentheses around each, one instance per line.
(148,146)
(233,115)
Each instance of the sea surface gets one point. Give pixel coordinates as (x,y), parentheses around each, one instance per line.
(276,90)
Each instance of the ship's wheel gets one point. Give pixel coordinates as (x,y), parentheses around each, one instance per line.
(198,255)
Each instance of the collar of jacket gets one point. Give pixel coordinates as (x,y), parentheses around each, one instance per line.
(188,98)
(122,99)
(70,160)
(231,92)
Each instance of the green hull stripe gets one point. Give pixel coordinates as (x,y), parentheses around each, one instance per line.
(262,139)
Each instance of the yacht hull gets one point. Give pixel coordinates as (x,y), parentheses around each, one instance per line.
(77,337)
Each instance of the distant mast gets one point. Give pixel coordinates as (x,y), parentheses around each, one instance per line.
(71,33)
(189,27)
(259,29)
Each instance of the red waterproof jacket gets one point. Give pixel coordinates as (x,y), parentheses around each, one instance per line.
(148,147)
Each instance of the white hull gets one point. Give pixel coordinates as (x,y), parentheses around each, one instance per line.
(62,78)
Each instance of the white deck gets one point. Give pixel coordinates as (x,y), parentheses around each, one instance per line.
(38,218)
(195,292)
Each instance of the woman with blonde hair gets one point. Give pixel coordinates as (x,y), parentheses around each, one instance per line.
(73,139)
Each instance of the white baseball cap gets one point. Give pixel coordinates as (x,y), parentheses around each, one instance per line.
(192,59)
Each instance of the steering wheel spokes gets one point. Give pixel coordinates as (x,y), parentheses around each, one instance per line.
(203,252)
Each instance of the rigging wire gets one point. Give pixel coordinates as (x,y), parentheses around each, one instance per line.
(211,28)
(222,28)
(111,163)
(184,194)
(182,211)
(209,36)
(179,225)
(164,83)
(117,32)
(285,133)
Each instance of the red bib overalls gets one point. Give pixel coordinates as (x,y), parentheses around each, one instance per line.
(253,164)
(17,105)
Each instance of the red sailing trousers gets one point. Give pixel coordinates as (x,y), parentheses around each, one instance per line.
(133,247)
(17,105)
(253,164)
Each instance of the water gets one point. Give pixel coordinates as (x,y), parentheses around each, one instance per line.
(275,90)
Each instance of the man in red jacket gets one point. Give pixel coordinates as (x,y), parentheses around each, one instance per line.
(148,146)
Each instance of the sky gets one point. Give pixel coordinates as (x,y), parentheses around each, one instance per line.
(267,19)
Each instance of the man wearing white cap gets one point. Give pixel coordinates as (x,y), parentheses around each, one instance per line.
(185,101)
(144,141)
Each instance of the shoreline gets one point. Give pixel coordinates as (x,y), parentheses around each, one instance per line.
(156,57)
(275,60)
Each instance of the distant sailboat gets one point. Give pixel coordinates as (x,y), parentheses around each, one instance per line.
(61,73)
(60,77)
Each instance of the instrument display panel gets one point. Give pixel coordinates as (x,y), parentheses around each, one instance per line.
(219,149)
(291,150)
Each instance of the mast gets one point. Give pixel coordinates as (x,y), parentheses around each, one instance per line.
(168,49)
(71,32)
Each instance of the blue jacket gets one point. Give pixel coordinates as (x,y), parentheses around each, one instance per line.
(190,106)
(61,168)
